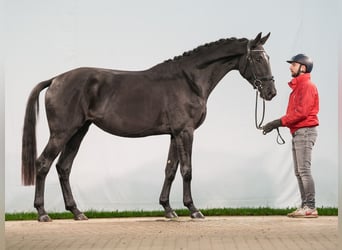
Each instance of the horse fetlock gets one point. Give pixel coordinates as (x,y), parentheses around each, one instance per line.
(165,203)
(169,212)
(190,206)
(194,212)
(73,209)
(39,205)
(42,214)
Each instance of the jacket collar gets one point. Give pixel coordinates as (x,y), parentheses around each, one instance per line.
(299,79)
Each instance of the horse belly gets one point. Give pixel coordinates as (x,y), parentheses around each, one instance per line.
(134,119)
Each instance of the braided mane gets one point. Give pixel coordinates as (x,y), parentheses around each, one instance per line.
(205,46)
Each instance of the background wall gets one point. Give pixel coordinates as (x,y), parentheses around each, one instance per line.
(234,165)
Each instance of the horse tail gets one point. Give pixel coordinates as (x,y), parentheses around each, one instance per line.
(29,146)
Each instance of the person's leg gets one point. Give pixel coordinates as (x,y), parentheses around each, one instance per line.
(296,171)
(304,141)
(298,211)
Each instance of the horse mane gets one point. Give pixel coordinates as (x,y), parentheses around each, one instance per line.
(204,47)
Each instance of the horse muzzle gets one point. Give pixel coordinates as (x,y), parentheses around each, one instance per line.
(268,90)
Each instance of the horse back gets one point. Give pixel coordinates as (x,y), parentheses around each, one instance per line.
(125,103)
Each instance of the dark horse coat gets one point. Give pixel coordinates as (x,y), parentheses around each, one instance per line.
(169,98)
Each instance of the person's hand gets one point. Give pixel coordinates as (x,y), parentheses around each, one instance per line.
(270,126)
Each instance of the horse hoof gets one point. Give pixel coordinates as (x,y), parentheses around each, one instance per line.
(197,215)
(81,217)
(44,218)
(171,215)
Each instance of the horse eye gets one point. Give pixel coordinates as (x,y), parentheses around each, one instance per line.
(259,59)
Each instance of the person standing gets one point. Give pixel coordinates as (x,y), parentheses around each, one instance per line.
(301,118)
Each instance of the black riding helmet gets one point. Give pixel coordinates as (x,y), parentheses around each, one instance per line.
(303,60)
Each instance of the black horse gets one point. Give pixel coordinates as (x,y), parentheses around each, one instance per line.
(169,98)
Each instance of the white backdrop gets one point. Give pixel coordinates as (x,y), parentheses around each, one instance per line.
(234,165)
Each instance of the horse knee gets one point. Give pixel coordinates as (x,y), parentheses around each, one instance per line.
(186,173)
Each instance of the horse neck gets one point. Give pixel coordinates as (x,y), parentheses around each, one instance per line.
(206,69)
(212,75)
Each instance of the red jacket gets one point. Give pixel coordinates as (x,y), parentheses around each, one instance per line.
(303,104)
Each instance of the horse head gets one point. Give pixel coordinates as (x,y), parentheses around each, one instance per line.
(255,67)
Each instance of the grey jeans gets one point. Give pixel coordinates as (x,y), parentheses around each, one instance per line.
(302,143)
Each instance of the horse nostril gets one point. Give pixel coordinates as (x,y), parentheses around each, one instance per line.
(272,92)
(269,94)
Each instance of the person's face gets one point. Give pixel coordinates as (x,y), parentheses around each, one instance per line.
(295,68)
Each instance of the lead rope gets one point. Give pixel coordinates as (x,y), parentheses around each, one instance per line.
(258,125)
(280,140)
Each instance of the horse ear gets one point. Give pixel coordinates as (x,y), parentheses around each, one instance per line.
(264,39)
(256,41)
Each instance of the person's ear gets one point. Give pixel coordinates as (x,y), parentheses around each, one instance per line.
(303,68)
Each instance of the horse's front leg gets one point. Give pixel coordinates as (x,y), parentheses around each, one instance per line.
(184,148)
(170,173)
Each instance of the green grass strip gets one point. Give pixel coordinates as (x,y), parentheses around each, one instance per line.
(261,211)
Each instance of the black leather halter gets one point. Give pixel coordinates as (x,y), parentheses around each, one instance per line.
(258,84)
(258,81)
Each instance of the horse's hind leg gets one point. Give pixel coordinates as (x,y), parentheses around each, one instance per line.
(170,173)
(43,164)
(64,165)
